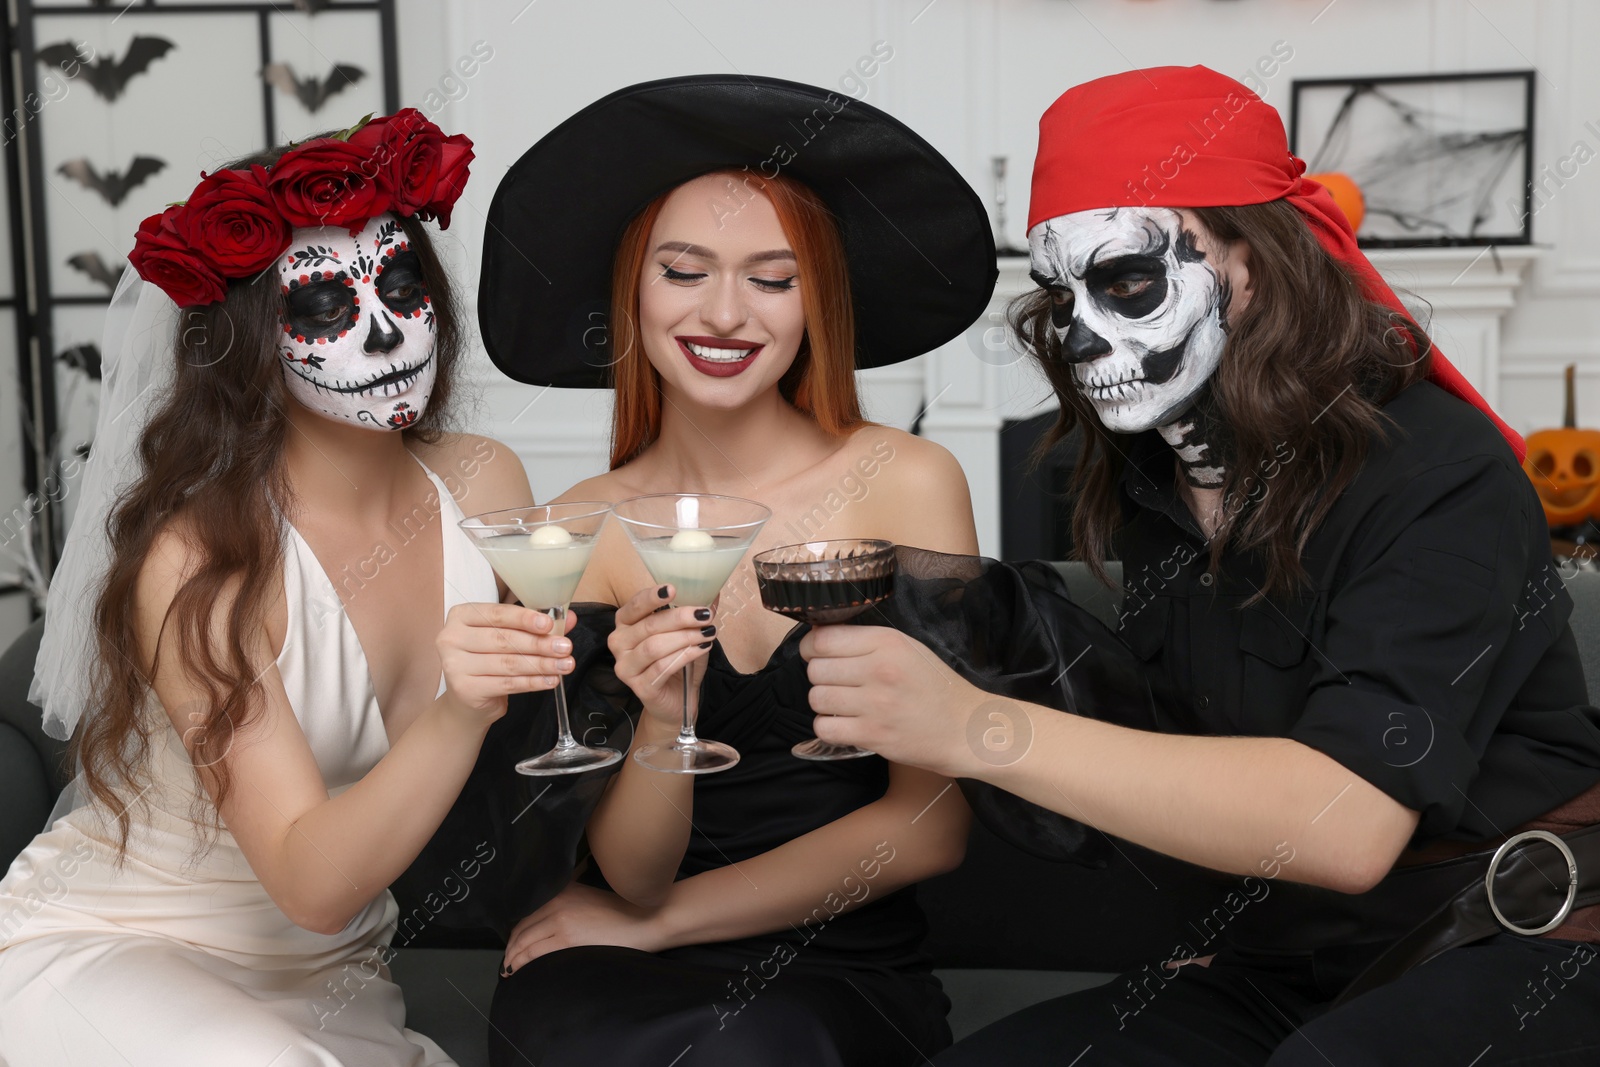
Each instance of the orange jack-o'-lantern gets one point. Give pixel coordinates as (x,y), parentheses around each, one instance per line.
(1345,193)
(1564,465)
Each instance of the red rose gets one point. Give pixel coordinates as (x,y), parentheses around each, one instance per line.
(408,146)
(164,259)
(330,183)
(232,222)
(455,155)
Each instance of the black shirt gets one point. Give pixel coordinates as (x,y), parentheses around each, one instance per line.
(1430,652)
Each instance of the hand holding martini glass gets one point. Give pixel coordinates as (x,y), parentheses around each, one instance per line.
(692,542)
(540,553)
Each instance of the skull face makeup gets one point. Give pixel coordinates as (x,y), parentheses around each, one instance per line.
(1140,312)
(358,329)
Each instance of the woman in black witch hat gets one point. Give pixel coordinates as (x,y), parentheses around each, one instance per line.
(725,252)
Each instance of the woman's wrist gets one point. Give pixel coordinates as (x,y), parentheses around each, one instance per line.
(671,923)
(653,731)
(457,718)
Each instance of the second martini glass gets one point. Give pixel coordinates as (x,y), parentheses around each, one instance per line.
(691,541)
(540,553)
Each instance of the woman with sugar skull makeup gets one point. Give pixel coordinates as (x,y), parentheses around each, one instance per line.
(1338,578)
(264,746)
(752,242)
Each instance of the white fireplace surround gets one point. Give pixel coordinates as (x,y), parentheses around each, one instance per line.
(968,389)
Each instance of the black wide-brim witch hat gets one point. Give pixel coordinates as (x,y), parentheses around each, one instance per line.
(917,238)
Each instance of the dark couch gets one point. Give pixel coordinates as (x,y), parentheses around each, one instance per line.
(1008,930)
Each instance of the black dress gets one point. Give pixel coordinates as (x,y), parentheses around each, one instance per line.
(840,988)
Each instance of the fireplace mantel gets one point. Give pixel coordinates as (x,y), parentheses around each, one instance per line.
(978,382)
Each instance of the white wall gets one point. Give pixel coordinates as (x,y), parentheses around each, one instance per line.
(973,77)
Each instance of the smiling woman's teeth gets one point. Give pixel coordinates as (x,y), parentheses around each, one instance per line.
(718,355)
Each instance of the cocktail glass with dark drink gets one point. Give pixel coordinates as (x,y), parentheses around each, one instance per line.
(822,583)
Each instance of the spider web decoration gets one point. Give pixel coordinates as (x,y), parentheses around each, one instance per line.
(1438,161)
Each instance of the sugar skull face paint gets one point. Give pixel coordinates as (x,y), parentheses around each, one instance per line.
(1140,311)
(358,328)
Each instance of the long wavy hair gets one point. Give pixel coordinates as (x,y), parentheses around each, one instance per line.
(1308,364)
(212,468)
(820,382)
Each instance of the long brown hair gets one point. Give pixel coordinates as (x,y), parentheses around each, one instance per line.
(820,382)
(212,470)
(1308,363)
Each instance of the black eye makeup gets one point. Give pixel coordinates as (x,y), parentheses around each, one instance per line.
(400,284)
(1130,286)
(768,285)
(322,308)
(1061,300)
(1061,304)
(672,274)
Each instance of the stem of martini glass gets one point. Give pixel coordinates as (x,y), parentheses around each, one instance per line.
(686,735)
(563,721)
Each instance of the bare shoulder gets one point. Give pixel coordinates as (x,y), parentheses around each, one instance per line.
(903,462)
(176,555)
(173,557)
(916,489)
(916,457)
(481,473)
(607,488)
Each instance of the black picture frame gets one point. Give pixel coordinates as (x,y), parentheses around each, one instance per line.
(1501,155)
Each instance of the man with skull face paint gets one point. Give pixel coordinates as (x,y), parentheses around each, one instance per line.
(247,618)
(1340,581)
(1142,316)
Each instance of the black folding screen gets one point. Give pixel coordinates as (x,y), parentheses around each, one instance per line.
(111,113)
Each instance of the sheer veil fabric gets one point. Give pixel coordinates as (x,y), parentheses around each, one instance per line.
(136,370)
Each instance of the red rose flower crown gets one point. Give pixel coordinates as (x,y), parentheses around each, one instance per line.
(237,222)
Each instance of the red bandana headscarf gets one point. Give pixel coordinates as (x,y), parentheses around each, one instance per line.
(1190,137)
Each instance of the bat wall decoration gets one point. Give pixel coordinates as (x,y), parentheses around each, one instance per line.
(107,76)
(312,92)
(111,185)
(84,357)
(91,264)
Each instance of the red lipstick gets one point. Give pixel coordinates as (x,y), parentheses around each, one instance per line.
(718,368)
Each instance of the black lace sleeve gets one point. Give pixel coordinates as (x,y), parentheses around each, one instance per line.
(510,842)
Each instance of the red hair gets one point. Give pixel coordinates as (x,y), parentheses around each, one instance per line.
(821,382)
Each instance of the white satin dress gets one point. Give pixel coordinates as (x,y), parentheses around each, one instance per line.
(181,957)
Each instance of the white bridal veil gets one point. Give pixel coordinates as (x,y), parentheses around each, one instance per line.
(136,371)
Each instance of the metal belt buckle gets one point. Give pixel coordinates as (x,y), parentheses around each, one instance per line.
(1572,882)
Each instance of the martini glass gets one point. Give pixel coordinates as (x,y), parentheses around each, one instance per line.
(540,553)
(824,582)
(691,541)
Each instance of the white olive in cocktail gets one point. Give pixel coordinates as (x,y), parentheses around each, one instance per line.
(540,553)
(692,542)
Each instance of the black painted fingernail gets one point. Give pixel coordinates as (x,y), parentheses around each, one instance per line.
(662,592)
(706,645)
(708,631)
(703,614)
